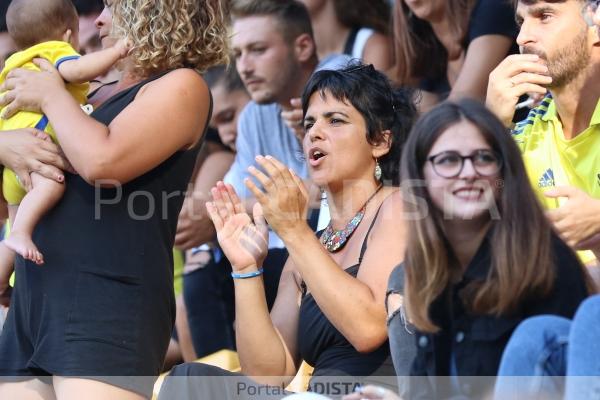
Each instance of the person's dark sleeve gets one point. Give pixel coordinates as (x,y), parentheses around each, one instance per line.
(570,287)
(492,17)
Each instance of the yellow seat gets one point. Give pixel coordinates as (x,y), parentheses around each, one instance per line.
(300,381)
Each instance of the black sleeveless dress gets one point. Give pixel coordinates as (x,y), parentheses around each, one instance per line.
(102,305)
(324,347)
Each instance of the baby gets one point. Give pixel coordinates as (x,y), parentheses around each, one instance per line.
(43,29)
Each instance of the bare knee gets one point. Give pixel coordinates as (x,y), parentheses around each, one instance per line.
(72,388)
(32,389)
(50,187)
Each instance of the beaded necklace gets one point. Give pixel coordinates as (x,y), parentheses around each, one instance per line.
(335,240)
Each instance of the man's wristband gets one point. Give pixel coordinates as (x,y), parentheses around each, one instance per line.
(247,275)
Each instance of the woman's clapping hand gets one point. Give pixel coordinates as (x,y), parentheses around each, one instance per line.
(243,241)
(285,197)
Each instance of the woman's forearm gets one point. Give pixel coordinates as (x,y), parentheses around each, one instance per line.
(348,303)
(260,347)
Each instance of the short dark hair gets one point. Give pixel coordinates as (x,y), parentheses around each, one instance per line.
(382,107)
(3,7)
(31,22)
(226,75)
(85,7)
(374,14)
(292,15)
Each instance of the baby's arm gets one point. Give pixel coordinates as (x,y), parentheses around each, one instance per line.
(90,66)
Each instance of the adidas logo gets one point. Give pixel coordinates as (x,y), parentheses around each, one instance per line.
(547,179)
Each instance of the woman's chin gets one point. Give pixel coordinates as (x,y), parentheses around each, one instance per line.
(319,178)
(474,213)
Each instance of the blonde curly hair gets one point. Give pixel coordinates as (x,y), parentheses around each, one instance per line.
(169,34)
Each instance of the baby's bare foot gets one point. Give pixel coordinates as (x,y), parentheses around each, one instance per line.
(23,245)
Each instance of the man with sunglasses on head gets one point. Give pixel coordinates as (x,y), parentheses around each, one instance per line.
(560,58)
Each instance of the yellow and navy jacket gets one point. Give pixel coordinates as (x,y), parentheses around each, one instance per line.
(551,160)
(56,52)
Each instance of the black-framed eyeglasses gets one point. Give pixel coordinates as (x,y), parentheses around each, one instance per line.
(449,164)
(588,11)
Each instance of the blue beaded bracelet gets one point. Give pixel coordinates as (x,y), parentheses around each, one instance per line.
(248,275)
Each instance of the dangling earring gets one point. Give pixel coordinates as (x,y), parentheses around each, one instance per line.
(378,171)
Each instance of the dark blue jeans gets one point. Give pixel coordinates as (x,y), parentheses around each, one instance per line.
(545,349)
(209,299)
(208,296)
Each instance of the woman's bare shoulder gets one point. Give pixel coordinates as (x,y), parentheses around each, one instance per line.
(393,200)
(179,82)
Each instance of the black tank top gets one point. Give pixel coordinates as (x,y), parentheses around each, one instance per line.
(325,348)
(128,231)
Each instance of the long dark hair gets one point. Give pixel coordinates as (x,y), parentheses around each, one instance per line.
(417,50)
(521,258)
(382,107)
(375,14)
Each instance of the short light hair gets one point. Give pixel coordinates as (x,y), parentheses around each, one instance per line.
(31,22)
(169,34)
(292,15)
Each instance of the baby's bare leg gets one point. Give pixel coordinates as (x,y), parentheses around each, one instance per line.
(7,258)
(44,195)
(7,261)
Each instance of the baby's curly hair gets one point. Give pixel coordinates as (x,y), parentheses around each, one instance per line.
(169,34)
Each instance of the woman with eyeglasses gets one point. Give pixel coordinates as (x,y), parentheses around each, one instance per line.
(481,256)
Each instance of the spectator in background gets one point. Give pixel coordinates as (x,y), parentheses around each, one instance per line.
(447,48)
(89,41)
(88,11)
(552,346)
(357,28)
(230,97)
(207,285)
(275,55)
(559,139)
